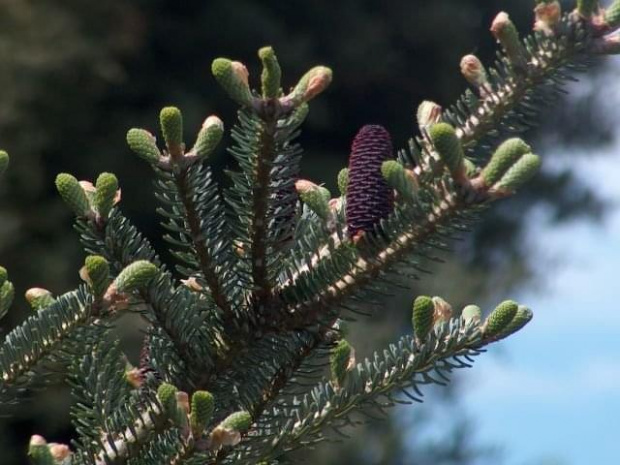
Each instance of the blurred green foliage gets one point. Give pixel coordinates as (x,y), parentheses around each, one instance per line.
(76,75)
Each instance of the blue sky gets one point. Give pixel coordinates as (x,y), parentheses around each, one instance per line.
(551,394)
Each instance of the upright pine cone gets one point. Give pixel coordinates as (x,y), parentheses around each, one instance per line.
(369,198)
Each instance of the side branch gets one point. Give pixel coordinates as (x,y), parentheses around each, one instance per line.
(206,261)
(373,383)
(546,60)
(368,268)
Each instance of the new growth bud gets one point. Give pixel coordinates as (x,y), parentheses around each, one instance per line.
(470,168)
(135,276)
(208,137)
(4,161)
(341,361)
(60,452)
(499,319)
(271,75)
(612,18)
(73,194)
(586,8)
(97,274)
(448,146)
(400,179)
(39,298)
(171,122)
(316,197)
(422,317)
(4,275)
(203,406)
(143,144)
(443,311)
(523,316)
(238,421)
(428,113)
(473,70)
(472,313)
(299,115)
(343,181)
(167,396)
(522,171)
(309,86)
(233,77)
(106,194)
(39,452)
(506,33)
(228,432)
(7,293)
(504,157)
(548,16)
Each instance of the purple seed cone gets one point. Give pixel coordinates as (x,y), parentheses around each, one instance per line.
(369,198)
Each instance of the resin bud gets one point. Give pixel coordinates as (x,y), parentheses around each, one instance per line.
(143,144)
(135,276)
(208,137)
(233,77)
(39,298)
(506,155)
(73,194)
(4,276)
(499,319)
(341,361)
(271,75)
(202,409)
(422,317)
(106,193)
(448,147)
(171,122)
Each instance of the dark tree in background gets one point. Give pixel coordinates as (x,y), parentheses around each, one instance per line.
(76,75)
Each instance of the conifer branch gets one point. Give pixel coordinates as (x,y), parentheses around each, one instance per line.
(195,217)
(175,310)
(260,204)
(272,264)
(366,268)
(41,337)
(376,382)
